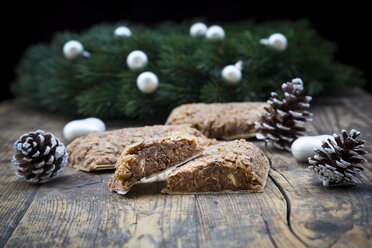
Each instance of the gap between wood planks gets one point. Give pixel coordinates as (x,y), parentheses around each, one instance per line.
(268,230)
(286,198)
(282,191)
(21,215)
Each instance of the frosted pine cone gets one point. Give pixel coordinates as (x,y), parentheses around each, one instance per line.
(283,120)
(39,156)
(338,162)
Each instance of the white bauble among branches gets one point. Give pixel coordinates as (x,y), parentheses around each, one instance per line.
(147,82)
(72,49)
(215,32)
(137,60)
(198,29)
(232,74)
(122,31)
(276,41)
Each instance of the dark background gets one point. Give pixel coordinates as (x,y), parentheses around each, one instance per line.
(25,24)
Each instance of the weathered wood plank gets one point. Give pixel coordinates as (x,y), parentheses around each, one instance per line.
(77,210)
(15,195)
(320,216)
(294,211)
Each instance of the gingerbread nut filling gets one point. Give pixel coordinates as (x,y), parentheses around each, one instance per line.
(232,166)
(150,157)
(100,151)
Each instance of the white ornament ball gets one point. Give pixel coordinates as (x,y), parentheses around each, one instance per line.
(147,82)
(78,128)
(122,31)
(303,147)
(215,32)
(231,74)
(72,49)
(278,42)
(198,29)
(137,60)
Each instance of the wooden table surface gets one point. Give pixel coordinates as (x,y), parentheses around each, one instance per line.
(77,210)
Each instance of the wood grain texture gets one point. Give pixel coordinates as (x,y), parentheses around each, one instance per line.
(77,210)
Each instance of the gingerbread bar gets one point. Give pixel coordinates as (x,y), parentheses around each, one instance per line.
(232,166)
(144,159)
(99,151)
(219,120)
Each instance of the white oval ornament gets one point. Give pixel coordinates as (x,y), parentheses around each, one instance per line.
(276,41)
(215,32)
(137,60)
(147,82)
(303,147)
(77,128)
(72,49)
(122,31)
(231,74)
(198,29)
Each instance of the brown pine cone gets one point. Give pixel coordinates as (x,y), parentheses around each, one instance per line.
(338,162)
(39,156)
(283,120)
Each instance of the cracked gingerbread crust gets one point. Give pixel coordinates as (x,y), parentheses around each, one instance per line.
(100,151)
(232,166)
(145,159)
(220,120)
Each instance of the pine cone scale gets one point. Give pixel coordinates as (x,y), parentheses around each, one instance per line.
(38,172)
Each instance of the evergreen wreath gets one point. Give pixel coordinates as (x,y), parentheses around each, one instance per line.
(188,68)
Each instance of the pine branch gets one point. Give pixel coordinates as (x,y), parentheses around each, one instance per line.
(189,69)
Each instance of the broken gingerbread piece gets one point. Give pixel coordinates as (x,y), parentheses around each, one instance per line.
(100,151)
(220,120)
(232,166)
(149,157)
